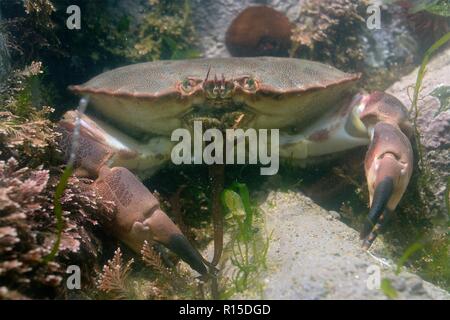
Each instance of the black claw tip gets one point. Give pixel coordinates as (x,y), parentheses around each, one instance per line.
(181,246)
(381,197)
(366,244)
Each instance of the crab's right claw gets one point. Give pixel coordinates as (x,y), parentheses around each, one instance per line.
(139,217)
(389,160)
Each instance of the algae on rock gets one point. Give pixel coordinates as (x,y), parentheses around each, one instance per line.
(110,36)
(29,171)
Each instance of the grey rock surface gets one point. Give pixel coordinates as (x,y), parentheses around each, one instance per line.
(434,127)
(312,255)
(392,43)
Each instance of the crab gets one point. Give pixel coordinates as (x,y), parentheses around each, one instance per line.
(314,106)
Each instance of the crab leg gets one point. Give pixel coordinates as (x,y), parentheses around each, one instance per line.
(389,159)
(100,144)
(138,216)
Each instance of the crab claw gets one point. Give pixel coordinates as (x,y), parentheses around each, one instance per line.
(139,217)
(389,160)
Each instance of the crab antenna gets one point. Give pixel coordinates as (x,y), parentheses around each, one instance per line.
(207,73)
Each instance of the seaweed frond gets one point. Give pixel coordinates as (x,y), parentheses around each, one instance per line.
(26,131)
(113,279)
(27,231)
(151,258)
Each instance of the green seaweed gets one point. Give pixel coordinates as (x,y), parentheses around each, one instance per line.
(420,5)
(236,202)
(431,248)
(62,184)
(248,248)
(420,75)
(447,197)
(407,254)
(442,9)
(388,289)
(425,172)
(437,7)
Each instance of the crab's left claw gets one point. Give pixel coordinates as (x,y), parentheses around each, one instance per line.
(389,160)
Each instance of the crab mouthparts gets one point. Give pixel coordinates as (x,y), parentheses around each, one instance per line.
(218,114)
(218,88)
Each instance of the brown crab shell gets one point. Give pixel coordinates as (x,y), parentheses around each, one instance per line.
(147,96)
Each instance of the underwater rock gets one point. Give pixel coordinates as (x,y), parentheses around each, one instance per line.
(337,32)
(259,31)
(392,44)
(212,18)
(314,256)
(429,21)
(328,31)
(433,122)
(116,33)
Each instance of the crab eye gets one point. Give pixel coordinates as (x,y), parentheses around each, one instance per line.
(250,84)
(187,85)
